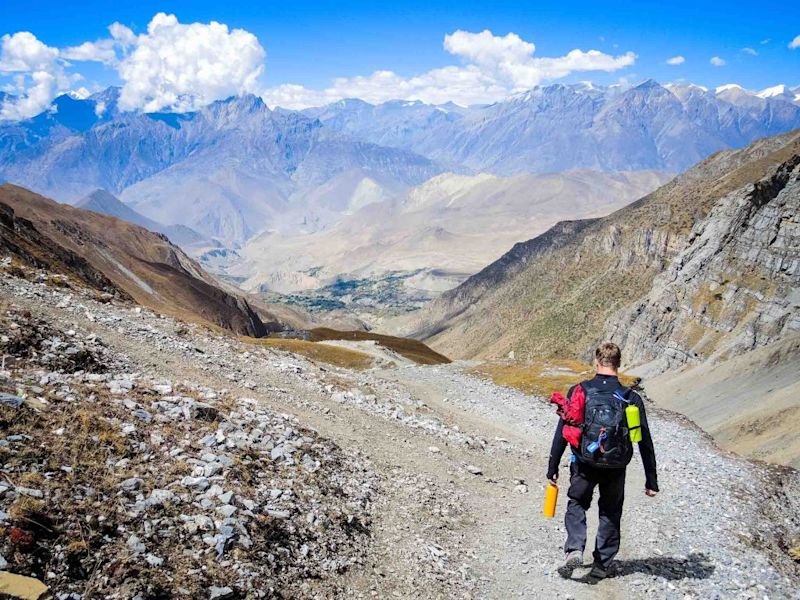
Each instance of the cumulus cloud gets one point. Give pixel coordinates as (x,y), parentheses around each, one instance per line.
(717,61)
(36,71)
(493,67)
(182,67)
(123,35)
(676,60)
(795,43)
(100,51)
(750,51)
(172,66)
(107,51)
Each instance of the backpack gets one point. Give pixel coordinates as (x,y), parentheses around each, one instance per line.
(605,440)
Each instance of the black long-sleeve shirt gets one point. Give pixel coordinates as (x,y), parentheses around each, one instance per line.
(646,449)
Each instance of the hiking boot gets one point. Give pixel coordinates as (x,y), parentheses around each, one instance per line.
(598,572)
(574,560)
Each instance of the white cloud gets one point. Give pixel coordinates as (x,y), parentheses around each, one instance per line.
(717,61)
(765,41)
(795,43)
(37,75)
(181,67)
(750,51)
(107,51)
(23,52)
(171,66)
(100,51)
(122,34)
(676,60)
(495,66)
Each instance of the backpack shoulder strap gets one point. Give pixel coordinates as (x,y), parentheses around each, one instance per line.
(625,392)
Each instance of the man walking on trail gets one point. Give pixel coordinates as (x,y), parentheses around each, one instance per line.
(601,464)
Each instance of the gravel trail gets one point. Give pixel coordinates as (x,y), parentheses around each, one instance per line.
(461,464)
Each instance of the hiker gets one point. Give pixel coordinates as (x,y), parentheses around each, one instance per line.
(601,463)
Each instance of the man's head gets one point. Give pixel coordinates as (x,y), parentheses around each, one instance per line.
(607,358)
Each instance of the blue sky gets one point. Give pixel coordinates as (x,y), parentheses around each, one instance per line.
(311,43)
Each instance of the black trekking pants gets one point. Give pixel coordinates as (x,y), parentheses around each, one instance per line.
(583,479)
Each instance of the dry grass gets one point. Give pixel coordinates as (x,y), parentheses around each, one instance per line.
(332,355)
(541,378)
(406,347)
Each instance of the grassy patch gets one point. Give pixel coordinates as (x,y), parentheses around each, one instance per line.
(541,378)
(410,349)
(332,355)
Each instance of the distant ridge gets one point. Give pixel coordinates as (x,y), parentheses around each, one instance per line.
(103,202)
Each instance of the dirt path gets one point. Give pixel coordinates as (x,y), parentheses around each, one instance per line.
(444,530)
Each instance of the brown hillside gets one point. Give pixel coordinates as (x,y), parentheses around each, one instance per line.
(114,255)
(409,348)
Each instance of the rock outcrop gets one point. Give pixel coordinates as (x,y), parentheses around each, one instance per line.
(735,286)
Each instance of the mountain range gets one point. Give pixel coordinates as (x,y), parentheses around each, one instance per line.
(244,168)
(280,200)
(227,171)
(581,126)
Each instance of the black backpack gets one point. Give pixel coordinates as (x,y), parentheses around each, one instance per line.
(605,441)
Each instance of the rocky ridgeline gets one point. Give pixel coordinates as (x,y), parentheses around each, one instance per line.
(121,486)
(732,287)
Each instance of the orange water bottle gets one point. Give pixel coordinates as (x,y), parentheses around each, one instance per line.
(550,498)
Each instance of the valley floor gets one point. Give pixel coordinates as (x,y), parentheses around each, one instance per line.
(460,464)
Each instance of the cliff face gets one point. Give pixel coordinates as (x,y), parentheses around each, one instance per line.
(733,287)
(728,225)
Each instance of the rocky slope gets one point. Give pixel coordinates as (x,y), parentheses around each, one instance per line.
(115,256)
(730,224)
(154,488)
(749,403)
(146,457)
(733,287)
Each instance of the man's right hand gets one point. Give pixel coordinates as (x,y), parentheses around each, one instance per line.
(553,479)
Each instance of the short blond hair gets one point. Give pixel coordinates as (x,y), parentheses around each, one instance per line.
(608,354)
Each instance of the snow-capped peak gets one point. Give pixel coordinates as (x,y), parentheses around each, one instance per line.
(79,94)
(729,87)
(776,90)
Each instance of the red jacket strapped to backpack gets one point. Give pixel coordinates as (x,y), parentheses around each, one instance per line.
(571,410)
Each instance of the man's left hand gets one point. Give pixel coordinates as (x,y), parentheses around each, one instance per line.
(650,493)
